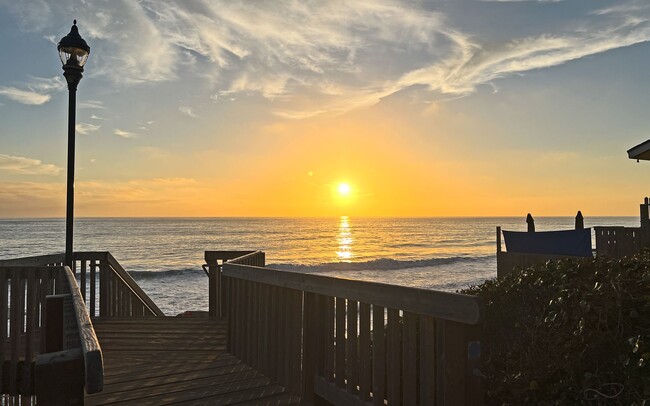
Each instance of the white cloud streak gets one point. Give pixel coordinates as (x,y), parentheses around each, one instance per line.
(187,110)
(26,166)
(91,104)
(86,128)
(29,97)
(325,56)
(38,91)
(123,134)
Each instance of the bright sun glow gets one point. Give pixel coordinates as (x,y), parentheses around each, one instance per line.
(344,189)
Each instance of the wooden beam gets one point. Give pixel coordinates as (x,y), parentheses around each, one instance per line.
(443,305)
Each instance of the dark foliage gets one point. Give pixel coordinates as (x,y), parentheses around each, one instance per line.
(569,332)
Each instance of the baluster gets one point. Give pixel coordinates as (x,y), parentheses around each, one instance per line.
(329,348)
(394,364)
(16,315)
(93,288)
(4,276)
(365,365)
(30,327)
(427,360)
(352,361)
(82,278)
(409,360)
(378,356)
(340,342)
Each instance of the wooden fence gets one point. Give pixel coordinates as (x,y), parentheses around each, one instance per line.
(214,261)
(621,241)
(50,351)
(353,342)
(106,288)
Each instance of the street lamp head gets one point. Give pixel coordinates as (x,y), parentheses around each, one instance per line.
(73,50)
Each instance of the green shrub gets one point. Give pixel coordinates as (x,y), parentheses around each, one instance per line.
(569,332)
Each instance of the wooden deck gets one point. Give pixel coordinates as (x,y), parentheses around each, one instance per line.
(180,361)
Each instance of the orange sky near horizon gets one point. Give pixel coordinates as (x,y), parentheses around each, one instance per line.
(261,109)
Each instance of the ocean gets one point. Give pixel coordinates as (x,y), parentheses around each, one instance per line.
(164,255)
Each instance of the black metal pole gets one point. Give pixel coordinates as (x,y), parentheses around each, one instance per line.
(69,212)
(73,51)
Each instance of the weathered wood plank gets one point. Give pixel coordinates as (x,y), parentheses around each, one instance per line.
(92,352)
(3,311)
(155,377)
(340,342)
(328,342)
(394,364)
(15,312)
(31,325)
(378,356)
(427,360)
(409,359)
(445,305)
(351,358)
(365,354)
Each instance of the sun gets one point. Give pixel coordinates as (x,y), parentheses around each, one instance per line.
(344,189)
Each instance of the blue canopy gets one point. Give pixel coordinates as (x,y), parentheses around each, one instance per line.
(568,242)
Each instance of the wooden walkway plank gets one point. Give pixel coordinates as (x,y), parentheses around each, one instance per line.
(180,361)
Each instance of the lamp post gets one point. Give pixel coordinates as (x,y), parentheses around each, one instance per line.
(73,51)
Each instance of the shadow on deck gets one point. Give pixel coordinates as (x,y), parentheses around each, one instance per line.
(172,360)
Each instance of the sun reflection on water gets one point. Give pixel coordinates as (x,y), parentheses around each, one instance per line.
(345,240)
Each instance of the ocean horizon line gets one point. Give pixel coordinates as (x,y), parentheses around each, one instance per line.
(312,217)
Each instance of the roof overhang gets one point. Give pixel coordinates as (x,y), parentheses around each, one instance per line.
(641,151)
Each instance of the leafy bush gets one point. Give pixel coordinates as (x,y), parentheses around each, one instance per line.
(569,332)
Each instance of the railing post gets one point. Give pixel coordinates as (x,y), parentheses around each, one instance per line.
(54,322)
(59,373)
(214,285)
(103,287)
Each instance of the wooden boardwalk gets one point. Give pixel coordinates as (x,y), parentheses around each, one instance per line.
(179,361)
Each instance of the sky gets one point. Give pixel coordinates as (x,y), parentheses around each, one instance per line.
(260,108)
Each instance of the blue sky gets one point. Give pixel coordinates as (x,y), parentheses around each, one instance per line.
(424,107)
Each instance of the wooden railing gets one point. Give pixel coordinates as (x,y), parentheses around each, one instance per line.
(50,352)
(620,241)
(214,261)
(106,288)
(354,342)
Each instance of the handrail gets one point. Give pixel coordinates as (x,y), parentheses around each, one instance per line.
(449,306)
(38,260)
(133,285)
(216,296)
(116,294)
(49,349)
(353,342)
(92,352)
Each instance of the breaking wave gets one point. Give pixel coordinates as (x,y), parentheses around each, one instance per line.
(381,264)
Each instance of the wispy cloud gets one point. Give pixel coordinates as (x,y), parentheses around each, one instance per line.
(187,110)
(124,134)
(96,117)
(335,56)
(85,128)
(38,91)
(91,104)
(26,166)
(24,96)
